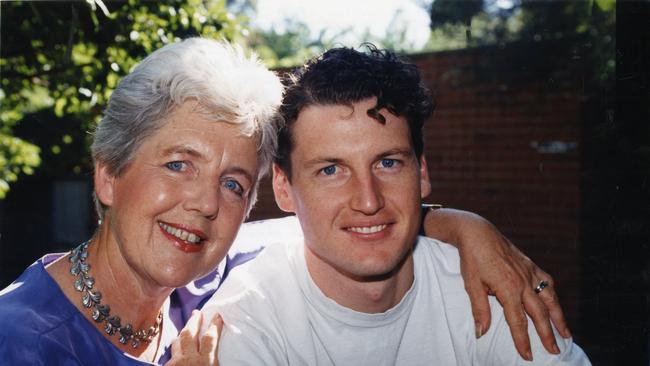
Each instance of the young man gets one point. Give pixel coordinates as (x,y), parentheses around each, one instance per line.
(361,288)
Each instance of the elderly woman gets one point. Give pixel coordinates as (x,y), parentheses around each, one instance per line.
(178,154)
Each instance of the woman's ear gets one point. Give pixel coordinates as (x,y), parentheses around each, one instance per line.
(104,182)
(282,190)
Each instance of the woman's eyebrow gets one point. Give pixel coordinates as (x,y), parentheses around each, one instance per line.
(181,149)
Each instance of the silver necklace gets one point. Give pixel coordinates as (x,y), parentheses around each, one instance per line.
(101,312)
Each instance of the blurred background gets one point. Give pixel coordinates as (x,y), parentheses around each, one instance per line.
(542,123)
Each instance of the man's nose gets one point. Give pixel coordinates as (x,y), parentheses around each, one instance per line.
(368,198)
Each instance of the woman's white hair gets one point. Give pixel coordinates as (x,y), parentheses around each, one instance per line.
(227,85)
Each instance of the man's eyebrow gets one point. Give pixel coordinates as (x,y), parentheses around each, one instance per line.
(396,151)
(406,152)
(323,160)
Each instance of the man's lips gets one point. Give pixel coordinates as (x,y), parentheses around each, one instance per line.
(188,239)
(367,229)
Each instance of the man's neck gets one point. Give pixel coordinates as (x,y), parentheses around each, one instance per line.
(364,294)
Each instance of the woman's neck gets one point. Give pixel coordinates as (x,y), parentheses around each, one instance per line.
(134,299)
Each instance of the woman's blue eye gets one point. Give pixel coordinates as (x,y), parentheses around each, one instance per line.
(176,166)
(387,163)
(233,186)
(329,170)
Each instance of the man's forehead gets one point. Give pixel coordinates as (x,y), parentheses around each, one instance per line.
(344,128)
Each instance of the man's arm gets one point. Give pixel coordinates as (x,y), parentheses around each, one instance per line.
(491,264)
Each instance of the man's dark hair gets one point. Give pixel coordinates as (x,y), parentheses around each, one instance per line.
(344,76)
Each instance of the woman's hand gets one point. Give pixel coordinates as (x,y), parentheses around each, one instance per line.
(193,349)
(492,265)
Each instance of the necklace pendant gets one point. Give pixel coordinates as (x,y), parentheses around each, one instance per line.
(89,282)
(84,267)
(126,332)
(100,312)
(112,325)
(86,301)
(74,255)
(96,296)
(79,285)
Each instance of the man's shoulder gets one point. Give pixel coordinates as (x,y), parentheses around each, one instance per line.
(271,263)
(437,255)
(254,235)
(260,284)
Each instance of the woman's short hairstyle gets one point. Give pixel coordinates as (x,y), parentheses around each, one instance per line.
(227,85)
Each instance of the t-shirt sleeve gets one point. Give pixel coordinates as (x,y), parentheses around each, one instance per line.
(242,344)
(246,338)
(497,347)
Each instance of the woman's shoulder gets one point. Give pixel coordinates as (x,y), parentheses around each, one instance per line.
(39,325)
(32,304)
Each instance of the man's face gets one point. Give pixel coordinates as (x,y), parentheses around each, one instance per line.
(356,187)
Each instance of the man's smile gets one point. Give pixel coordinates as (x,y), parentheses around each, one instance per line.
(367,229)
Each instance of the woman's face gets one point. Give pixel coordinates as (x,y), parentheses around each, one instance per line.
(175,210)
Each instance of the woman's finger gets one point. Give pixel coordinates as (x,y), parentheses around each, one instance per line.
(209,340)
(188,337)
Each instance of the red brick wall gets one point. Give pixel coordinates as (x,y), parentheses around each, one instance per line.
(504,142)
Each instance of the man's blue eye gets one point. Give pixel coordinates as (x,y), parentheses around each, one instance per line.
(234,186)
(387,163)
(175,165)
(329,170)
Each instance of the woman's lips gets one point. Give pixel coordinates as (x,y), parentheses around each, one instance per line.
(184,238)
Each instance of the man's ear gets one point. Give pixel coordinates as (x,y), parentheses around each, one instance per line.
(104,183)
(282,190)
(425,183)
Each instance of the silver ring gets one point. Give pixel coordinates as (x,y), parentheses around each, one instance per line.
(542,285)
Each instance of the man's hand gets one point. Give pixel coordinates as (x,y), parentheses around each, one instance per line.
(193,349)
(492,265)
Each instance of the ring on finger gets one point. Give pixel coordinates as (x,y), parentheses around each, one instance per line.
(541,286)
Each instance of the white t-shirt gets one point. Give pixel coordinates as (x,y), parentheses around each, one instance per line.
(275,314)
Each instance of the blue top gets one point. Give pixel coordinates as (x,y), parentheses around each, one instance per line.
(40,326)
(50,330)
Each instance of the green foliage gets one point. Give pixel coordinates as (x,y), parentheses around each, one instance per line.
(289,47)
(454,11)
(587,27)
(536,20)
(16,157)
(292,45)
(61,60)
